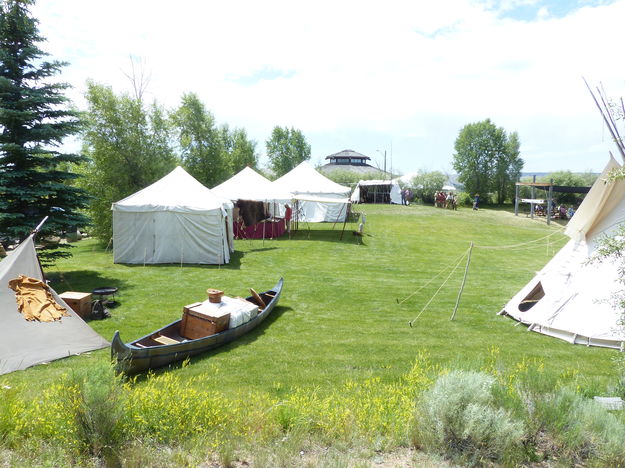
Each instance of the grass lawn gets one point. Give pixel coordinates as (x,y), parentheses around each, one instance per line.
(338,319)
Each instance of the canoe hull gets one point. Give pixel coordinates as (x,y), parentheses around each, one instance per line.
(132,359)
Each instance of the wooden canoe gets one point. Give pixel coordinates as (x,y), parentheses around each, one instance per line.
(147,353)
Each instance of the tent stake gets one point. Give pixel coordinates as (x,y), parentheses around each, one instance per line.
(464,279)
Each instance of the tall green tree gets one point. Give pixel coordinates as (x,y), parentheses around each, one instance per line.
(286,148)
(242,151)
(508,167)
(130,147)
(35,118)
(202,144)
(487,159)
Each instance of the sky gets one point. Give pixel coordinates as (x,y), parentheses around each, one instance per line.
(394,77)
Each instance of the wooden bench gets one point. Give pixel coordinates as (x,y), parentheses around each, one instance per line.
(165,340)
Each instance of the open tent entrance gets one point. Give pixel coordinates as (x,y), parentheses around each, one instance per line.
(532,298)
(377,191)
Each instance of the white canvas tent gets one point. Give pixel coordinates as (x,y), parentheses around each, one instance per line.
(377,191)
(571,298)
(174,220)
(250,185)
(320,199)
(25,343)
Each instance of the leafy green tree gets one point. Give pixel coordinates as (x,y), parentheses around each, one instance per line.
(243,152)
(35,117)
(486,159)
(130,147)
(286,149)
(425,185)
(508,169)
(202,144)
(239,151)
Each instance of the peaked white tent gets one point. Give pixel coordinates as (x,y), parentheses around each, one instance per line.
(377,191)
(248,190)
(250,185)
(571,298)
(320,199)
(25,343)
(174,220)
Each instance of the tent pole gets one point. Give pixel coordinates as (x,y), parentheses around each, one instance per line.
(264,224)
(464,279)
(533,197)
(349,209)
(549,198)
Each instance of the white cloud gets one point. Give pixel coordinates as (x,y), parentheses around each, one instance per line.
(360,66)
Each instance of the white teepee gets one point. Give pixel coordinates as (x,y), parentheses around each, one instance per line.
(571,298)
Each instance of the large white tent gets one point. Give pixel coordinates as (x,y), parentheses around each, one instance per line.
(571,298)
(26,343)
(319,198)
(174,220)
(377,191)
(250,185)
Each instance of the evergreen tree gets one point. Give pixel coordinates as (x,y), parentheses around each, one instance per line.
(35,117)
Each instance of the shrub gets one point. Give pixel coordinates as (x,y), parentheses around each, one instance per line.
(457,419)
(580,429)
(98,409)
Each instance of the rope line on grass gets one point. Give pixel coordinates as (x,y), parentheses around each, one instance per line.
(441,286)
(498,247)
(432,279)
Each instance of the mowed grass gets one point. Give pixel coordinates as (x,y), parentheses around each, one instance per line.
(339,319)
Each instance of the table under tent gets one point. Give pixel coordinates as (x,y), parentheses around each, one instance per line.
(261,210)
(377,191)
(543,206)
(318,199)
(174,220)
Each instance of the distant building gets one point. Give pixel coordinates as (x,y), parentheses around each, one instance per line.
(350,160)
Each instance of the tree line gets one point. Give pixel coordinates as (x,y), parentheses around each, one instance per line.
(127,143)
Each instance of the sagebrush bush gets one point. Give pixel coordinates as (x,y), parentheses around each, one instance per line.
(457,419)
(580,429)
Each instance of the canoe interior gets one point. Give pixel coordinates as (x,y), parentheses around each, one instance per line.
(170,334)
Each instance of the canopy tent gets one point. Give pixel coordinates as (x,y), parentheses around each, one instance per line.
(248,189)
(174,220)
(314,188)
(377,191)
(25,343)
(571,298)
(250,185)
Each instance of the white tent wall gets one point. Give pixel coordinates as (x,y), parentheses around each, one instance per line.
(577,295)
(169,237)
(304,181)
(25,343)
(174,220)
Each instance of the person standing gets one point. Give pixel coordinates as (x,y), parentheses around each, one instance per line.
(476,201)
